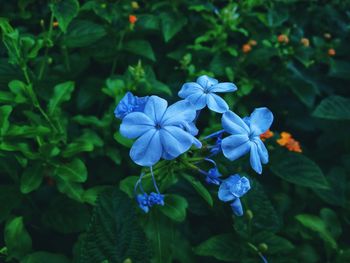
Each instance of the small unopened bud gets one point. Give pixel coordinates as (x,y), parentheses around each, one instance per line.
(128,260)
(249,214)
(42,22)
(246,48)
(305,42)
(49,60)
(252,42)
(135,5)
(283,39)
(263,247)
(103,6)
(331,52)
(327,35)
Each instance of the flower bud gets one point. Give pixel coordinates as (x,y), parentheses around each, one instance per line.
(305,42)
(331,52)
(246,48)
(263,247)
(128,260)
(135,5)
(283,39)
(327,35)
(249,214)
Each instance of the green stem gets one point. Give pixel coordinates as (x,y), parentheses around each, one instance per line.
(119,47)
(48,38)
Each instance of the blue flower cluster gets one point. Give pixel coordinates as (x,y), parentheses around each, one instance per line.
(166,132)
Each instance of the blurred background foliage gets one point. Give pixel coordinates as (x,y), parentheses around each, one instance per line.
(65,64)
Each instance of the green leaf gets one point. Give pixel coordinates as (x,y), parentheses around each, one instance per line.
(339,69)
(90,195)
(17,239)
(317,225)
(26,131)
(70,189)
(332,222)
(113,233)
(275,243)
(222,247)
(141,48)
(82,33)
(75,171)
(19,90)
(31,178)
(77,147)
(175,207)
(298,169)
(43,256)
(66,216)
(5,112)
(122,140)
(6,97)
(8,192)
(64,11)
(62,93)
(333,108)
(201,190)
(171,25)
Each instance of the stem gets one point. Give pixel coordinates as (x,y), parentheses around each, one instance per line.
(119,46)
(43,64)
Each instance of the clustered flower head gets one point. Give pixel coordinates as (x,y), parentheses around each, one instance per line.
(289,142)
(166,132)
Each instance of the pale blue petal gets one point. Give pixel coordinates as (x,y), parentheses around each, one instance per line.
(263,153)
(155,108)
(231,148)
(197,143)
(198,100)
(189,88)
(175,140)
(224,192)
(233,124)
(216,103)
(223,87)
(241,187)
(135,124)
(206,82)
(237,208)
(255,159)
(147,150)
(260,120)
(178,113)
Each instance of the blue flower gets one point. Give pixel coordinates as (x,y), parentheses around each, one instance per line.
(246,136)
(155,199)
(142,200)
(202,93)
(213,176)
(231,189)
(160,131)
(130,103)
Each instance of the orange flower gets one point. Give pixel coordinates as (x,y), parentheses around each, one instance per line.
(289,142)
(283,38)
(252,42)
(305,42)
(132,19)
(246,48)
(331,52)
(266,135)
(55,24)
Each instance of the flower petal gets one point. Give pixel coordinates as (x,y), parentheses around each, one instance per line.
(147,149)
(260,120)
(233,124)
(223,87)
(255,159)
(175,140)
(135,124)
(263,153)
(206,82)
(198,100)
(216,103)
(237,208)
(189,88)
(155,108)
(235,146)
(180,112)
(224,192)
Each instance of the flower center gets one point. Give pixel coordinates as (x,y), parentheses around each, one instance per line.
(158,126)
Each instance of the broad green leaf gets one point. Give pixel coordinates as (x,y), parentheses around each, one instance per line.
(75,171)
(64,11)
(298,169)
(332,222)
(5,112)
(171,25)
(113,232)
(77,147)
(222,247)
(17,239)
(90,195)
(43,256)
(122,140)
(175,207)
(317,225)
(339,69)
(91,120)
(6,97)
(276,244)
(141,48)
(82,33)
(62,93)
(66,216)
(201,190)
(31,178)
(333,108)
(8,192)
(70,189)
(19,90)
(127,185)
(26,131)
